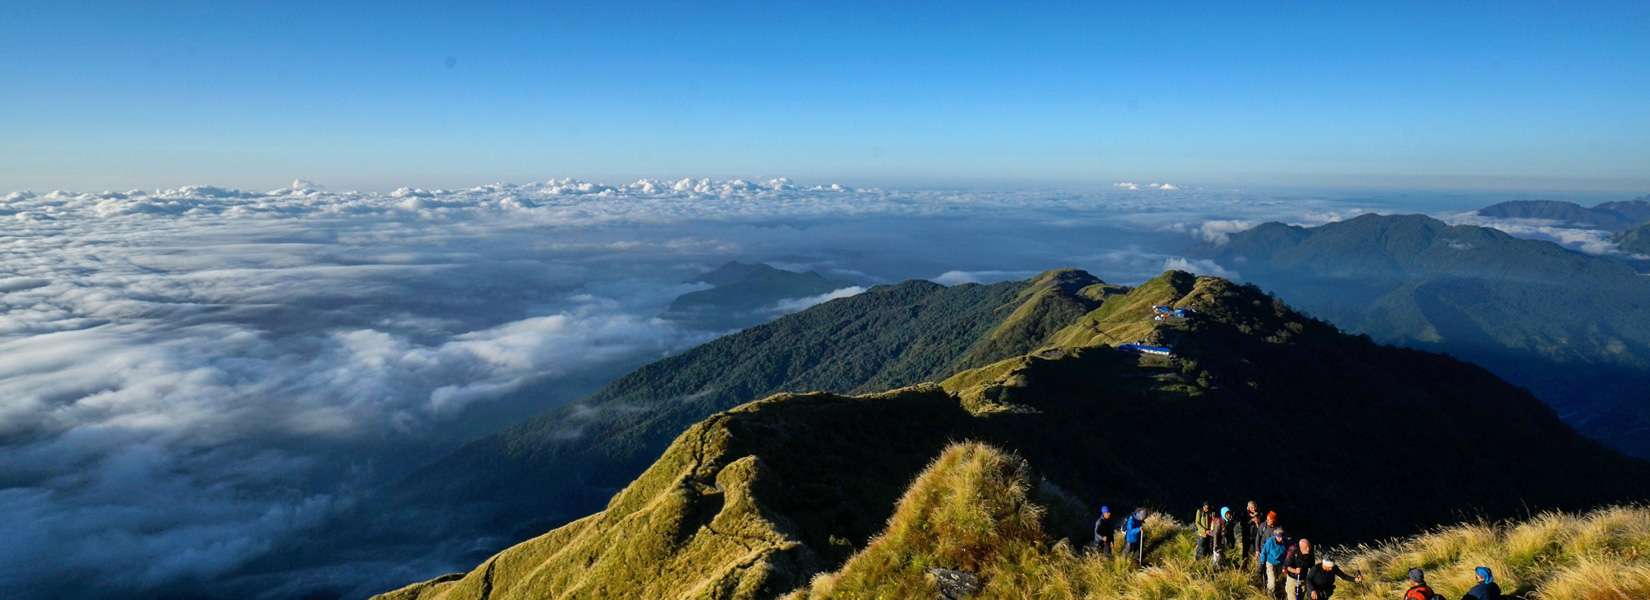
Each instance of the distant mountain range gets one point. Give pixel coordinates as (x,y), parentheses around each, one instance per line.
(1352,439)
(1573,327)
(745,294)
(1609,216)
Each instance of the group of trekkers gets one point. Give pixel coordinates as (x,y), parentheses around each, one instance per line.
(1255,541)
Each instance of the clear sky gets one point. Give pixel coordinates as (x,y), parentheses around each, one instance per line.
(254,94)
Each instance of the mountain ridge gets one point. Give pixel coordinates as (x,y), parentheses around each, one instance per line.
(755,500)
(1613,216)
(886,337)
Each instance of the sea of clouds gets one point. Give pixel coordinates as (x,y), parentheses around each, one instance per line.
(189,377)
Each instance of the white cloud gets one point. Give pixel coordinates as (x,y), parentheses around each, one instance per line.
(1198,267)
(1321,217)
(950,278)
(1591,241)
(1214,231)
(1155,185)
(797,304)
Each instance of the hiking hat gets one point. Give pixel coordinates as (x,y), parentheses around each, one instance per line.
(1485,573)
(1225,510)
(1417,576)
(1105,509)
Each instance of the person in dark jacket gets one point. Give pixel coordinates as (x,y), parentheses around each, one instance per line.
(1249,535)
(1200,524)
(1320,581)
(1219,535)
(1105,528)
(1486,589)
(1295,567)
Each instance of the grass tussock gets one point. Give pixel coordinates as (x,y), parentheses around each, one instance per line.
(977,510)
(1601,555)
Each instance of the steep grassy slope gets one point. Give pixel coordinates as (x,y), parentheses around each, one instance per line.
(1572,327)
(1261,402)
(567,462)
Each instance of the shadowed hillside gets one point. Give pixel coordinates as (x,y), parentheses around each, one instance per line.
(755,501)
(1635,240)
(1572,327)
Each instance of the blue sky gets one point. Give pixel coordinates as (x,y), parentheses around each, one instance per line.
(1454,94)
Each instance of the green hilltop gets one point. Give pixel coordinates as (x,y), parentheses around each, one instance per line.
(768,497)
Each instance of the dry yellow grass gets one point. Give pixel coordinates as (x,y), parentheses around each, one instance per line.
(974,510)
(1601,555)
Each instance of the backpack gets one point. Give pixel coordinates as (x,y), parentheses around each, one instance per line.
(1422,592)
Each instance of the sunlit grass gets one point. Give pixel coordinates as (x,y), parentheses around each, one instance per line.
(975,510)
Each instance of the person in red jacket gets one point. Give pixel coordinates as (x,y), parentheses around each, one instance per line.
(1418,588)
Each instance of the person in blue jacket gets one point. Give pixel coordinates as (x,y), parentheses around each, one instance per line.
(1134,535)
(1271,559)
(1486,589)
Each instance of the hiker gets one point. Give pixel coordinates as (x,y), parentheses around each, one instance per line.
(1104,528)
(1320,581)
(1486,589)
(1249,535)
(1295,567)
(1219,535)
(1418,589)
(1134,535)
(1271,560)
(1200,523)
(1237,540)
(1264,534)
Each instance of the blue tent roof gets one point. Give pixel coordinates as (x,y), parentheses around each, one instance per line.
(1146,348)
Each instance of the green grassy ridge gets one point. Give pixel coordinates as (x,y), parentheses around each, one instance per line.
(567,462)
(819,474)
(1049,302)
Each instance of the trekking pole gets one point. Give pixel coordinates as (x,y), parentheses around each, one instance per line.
(1142,542)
